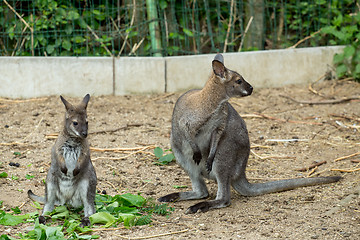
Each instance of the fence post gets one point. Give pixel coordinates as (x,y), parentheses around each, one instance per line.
(154,27)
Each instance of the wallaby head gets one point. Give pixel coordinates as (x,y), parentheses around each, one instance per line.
(76,124)
(234,84)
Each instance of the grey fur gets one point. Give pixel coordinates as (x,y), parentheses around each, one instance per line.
(204,121)
(71,178)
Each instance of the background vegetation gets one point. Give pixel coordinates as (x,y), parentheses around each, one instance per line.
(169,27)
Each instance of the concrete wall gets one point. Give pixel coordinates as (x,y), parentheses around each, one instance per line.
(28,77)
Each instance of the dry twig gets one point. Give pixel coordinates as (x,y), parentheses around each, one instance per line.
(346,170)
(311,166)
(348,156)
(153,236)
(304,39)
(335,101)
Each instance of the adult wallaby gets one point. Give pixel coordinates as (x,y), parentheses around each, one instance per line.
(209,139)
(71,178)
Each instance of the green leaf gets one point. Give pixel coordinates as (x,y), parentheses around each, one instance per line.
(163,4)
(17,154)
(158,152)
(16,210)
(180,186)
(11,220)
(66,44)
(128,219)
(73,15)
(4,237)
(338,58)
(133,200)
(188,32)
(27,176)
(3,175)
(102,218)
(166,159)
(341,70)
(68,29)
(349,51)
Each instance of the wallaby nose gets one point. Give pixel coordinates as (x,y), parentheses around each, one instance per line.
(84,134)
(250,89)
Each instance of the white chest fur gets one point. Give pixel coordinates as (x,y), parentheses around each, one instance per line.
(71,153)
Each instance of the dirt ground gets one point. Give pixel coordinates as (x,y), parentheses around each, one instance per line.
(325,132)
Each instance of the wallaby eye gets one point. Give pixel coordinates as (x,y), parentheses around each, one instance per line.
(239,81)
(75,123)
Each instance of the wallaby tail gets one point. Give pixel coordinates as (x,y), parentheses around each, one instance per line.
(254,189)
(35,197)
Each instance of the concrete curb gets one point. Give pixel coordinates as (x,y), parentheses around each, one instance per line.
(29,77)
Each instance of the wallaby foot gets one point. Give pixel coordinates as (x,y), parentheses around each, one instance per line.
(207,205)
(85,222)
(172,197)
(201,206)
(42,220)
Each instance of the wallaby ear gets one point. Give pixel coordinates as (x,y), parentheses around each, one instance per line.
(66,103)
(218,68)
(220,58)
(85,101)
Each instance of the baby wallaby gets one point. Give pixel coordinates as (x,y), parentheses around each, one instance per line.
(71,178)
(209,139)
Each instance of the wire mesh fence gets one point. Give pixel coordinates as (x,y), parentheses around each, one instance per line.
(163,27)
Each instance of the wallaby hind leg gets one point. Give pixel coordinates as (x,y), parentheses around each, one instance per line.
(50,194)
(222,195)
(87,195)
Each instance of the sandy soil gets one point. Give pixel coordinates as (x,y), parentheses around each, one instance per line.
(325,132)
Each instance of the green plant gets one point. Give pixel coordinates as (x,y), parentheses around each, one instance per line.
(3,175)
(129,209)
(345,29)
(163,159)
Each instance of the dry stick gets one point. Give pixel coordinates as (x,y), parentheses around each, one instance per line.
(355,161)
(22,101)
(17,42)
(97,37)
(304,39)
(348,156)
(160,97)
(310,167)
(322,102)
(246,29)
(26,24)
(258,115)
(113,186)
(312,171)
(311,86)
(131,23)
(120,149)
(229,25)
(136,47)
(346,117)
(346,170)
(271,157)
(153,236)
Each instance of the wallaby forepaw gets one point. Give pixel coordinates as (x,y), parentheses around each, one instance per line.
(85,222)
(201,206)
(197,157)
(64,169)
(76,171)
(169,198)
(208,166)
(42,220)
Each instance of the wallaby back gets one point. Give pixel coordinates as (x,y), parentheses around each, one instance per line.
(210,139)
